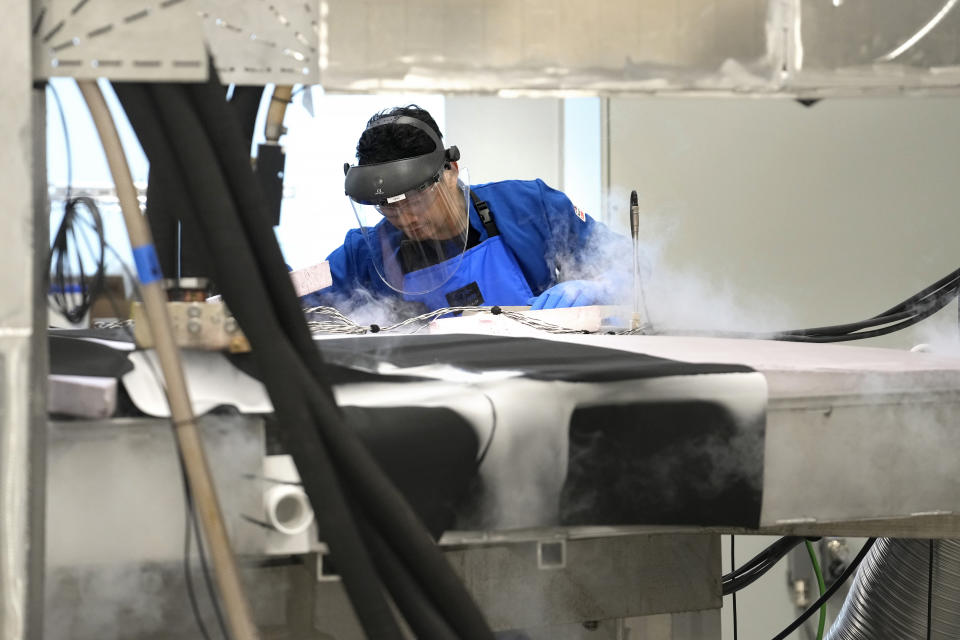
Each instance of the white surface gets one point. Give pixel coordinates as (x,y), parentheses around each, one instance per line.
(588,318)
(82,396)
(281,469)
(211,381)
(312,278)
(764,214)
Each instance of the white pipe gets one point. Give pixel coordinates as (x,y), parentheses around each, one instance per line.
(288,509)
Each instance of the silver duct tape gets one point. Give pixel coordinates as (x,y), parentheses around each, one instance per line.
(889,596)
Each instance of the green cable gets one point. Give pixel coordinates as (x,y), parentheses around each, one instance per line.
(821,585)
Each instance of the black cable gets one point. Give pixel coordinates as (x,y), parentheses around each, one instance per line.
(493,431)
(815,607)
(205,569)
(733,565)
(380,500)
(66,263)
(930,592)
(920,308)
(187,577)
(189,512)
(419,611)
(190,518)
(877,332)
(914,309)
(66,139)
(906,304)
(256,286)
(757,566)
(159,112)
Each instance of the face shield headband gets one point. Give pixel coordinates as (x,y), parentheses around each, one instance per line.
(386,182)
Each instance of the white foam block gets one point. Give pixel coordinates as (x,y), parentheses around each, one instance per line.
(82,396)
(310,279)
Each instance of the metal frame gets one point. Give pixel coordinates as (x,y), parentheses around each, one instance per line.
(118,39)
(23,351)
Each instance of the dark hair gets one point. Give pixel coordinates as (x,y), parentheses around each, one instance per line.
(394,142)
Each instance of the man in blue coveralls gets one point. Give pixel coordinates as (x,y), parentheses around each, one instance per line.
(426,236)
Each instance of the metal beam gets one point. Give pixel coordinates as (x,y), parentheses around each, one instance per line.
(23,361)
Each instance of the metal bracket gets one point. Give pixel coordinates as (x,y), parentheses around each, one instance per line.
(118,39)
(263,41)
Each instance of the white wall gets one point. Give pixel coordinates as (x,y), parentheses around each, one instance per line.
(504,139)
(795,215)
(556,140)
(770,214)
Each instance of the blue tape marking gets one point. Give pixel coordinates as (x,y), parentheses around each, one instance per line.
(148,267)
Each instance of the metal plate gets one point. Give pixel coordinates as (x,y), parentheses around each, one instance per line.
(869,45)
(118,39)
(493,45)
(259,41)
(600,579)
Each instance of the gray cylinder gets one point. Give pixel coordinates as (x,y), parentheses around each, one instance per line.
(889,596)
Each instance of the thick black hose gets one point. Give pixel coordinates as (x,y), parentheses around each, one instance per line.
(408,536)
(427,558)
(225,135)
(381,501)
(244,291)
(418,610)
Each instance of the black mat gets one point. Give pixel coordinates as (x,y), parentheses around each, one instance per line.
(535,358)
(74,357)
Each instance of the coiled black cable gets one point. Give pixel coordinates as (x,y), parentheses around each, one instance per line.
(72,290)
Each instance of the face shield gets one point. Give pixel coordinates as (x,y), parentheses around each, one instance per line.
(413,214)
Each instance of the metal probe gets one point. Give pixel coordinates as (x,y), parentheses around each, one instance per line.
(638,320)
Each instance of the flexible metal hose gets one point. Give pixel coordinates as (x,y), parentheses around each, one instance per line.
(889,596)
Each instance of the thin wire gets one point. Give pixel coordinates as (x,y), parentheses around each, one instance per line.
(493,431)
(189,515)
(820,585)
(733,565)
(332,321)
(66,139)
(790,628)
(930,592)
(188,578)
(206,570)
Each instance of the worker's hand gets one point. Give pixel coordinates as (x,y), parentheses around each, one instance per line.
(572,293)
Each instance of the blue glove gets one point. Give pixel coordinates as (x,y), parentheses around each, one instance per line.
(572,293)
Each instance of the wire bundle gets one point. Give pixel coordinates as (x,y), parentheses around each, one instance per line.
(750,571)
(917,307)
(330,320)
(380,546)
(72,289)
